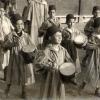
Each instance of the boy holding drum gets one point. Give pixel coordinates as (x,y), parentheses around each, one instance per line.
(17,71)
(69,35)
(54,56)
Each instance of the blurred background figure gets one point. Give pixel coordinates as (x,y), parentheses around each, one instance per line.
(69,34)
(50,21)
(5,28)
(18,71)
(25,15)
(89,26)
(89,30)
(34,14)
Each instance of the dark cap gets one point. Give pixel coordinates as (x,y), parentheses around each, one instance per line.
(96,22)
(16,17)
(95,8)
(1,4)
(52,7)
(70,16)
(52,30)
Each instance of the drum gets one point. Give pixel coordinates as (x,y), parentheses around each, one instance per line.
(80,40)
(28,53)
(98,36)
(67,71)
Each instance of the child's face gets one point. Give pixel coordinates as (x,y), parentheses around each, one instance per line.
(96,13)
(52,13)
(70,23)
(57,38)
(2,12)
(19,25)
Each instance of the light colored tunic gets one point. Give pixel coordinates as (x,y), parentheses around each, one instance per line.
(5,28)
(36,14)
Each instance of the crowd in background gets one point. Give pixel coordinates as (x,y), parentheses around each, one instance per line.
(23,57)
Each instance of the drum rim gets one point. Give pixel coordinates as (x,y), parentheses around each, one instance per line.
(25,51)
(80,43)
(66,74)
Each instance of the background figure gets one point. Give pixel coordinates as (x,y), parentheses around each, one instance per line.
(69,34)
(18,72)
(92,74)
(89,30)
(5,28)
(50,21)
(54,56)
(27,23)
(33,17)
(9,6)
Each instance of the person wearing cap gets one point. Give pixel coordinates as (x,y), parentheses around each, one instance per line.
(69,34)
(18,72)
(51,21)
(89,26)
(89,29)
(54,56)
(5,28)
(92,75)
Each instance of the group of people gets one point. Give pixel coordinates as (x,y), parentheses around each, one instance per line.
(57,48)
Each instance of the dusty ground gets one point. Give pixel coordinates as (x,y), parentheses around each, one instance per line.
(32,91)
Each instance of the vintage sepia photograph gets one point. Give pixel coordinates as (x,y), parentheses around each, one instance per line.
(49,49)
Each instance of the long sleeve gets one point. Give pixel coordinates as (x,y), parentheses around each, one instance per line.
(10,41)
(89,27)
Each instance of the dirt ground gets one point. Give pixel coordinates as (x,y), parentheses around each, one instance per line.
(72,92)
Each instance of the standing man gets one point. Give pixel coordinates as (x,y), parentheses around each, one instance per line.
(5,28)
(51,20)
(89,30)
(89,26)
(34,14)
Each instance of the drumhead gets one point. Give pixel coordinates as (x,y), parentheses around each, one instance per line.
(98,36)
(80,39)
(28,48)
(67,69)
